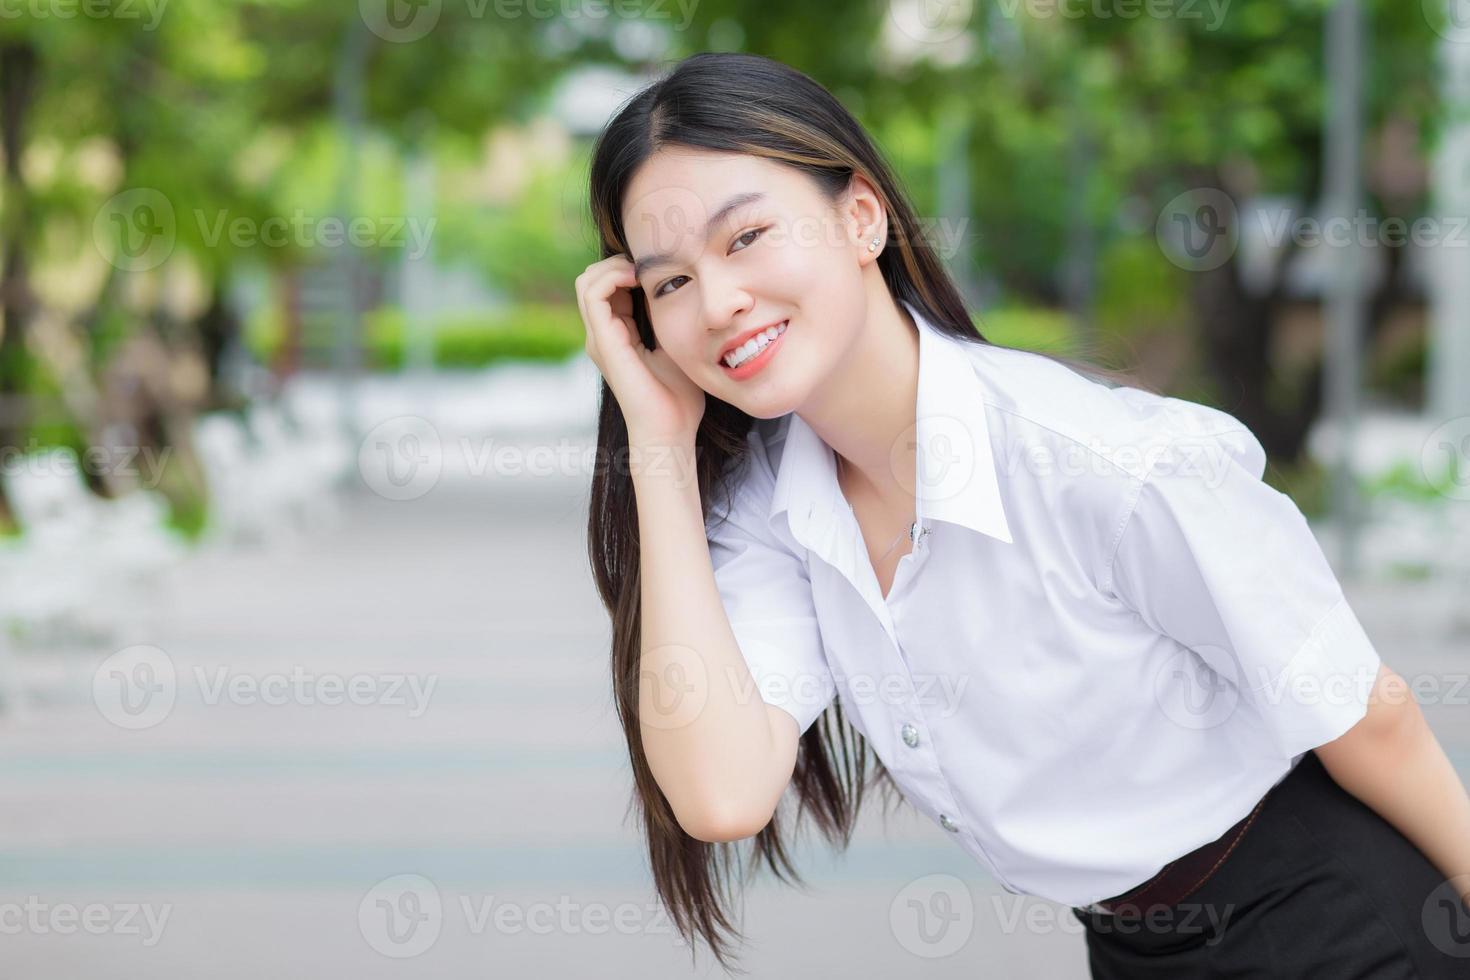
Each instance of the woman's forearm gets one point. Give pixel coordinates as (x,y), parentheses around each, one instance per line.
(1395,765)
(705,729)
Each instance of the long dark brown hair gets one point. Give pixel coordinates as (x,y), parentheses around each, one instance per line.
(741,103)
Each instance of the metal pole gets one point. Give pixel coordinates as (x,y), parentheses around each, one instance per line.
(1081,240)
(950,228)
(417,271)
(347,86)
(1449,345)
(1344,305)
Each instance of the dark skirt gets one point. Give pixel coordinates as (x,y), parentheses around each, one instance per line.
(1320,886)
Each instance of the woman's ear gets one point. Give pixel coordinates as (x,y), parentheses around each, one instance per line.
(863,210)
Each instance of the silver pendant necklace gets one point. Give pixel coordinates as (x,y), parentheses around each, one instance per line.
(909,530)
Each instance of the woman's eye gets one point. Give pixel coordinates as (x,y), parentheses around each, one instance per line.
(662,290)
(753,231)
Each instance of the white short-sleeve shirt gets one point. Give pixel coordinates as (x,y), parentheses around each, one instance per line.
(1110,640)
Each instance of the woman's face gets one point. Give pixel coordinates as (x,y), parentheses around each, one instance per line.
(782,254)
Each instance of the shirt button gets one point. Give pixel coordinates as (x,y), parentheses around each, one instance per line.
(947,823)
(910,735)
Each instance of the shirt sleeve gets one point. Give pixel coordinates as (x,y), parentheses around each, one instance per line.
(767,595)
(1217,559)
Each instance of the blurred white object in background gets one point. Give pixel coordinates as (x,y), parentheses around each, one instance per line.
(84,566)
(302,468)
(270,477)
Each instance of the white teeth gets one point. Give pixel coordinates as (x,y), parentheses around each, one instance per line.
(753,346)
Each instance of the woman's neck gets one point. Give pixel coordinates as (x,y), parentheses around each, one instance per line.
(866,410)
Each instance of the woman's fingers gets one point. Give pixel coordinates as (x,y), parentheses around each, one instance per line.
(607,306)
(655,395)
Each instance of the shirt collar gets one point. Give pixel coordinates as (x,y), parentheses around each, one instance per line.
(955,468)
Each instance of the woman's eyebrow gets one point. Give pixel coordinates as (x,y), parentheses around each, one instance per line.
(663,258)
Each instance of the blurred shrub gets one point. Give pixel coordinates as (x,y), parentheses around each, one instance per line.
(525,331)
(1405,481)
(1138,288)
(1029,328)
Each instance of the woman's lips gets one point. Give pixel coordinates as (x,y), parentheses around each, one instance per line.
(760,360)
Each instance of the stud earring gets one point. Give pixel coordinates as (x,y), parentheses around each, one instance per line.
(873,245)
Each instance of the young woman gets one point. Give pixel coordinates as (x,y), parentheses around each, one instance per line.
(1072,623)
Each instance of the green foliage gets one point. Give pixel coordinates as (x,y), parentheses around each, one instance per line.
(1406,481)
(188,514)
(1417,571)
(1137,287)
(1309,484)
(535,247)
(1050,331)
(50,425)
(526,331)
(230,109)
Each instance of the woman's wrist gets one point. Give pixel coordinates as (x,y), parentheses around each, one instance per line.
(664,459)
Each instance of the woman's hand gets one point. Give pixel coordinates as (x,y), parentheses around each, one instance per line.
(661,405)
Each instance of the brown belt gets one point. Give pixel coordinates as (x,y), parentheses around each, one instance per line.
(1180,877)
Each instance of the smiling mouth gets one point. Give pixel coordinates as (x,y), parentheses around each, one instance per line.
(752,348)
